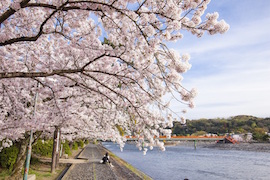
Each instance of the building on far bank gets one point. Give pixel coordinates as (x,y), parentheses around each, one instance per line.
(238,137)
(248,137)
(211,135)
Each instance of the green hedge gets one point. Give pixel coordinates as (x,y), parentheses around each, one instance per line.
(81,143)
(8,157)
(43,149)
(75,146)
(66,149)
(46,148)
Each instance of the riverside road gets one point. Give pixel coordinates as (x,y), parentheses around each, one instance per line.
(93,169)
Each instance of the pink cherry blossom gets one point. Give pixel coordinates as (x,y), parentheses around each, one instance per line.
(103,67)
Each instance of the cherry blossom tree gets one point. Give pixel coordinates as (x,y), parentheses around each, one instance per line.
(101,65)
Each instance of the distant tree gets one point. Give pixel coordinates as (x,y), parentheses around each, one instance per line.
(260,134)
(240,130)
(199,133)
(253,125)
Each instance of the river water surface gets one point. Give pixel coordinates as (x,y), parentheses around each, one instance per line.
(180,162)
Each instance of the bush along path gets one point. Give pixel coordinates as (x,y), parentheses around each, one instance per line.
(93,169)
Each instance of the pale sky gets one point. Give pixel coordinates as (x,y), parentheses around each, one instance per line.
(230,71)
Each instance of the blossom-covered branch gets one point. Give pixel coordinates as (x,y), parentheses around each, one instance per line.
(102,65)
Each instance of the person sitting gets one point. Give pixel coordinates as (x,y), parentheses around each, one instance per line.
(105,159)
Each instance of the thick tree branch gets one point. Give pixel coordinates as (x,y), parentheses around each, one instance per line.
(7,75)
(11,11)
(32,38)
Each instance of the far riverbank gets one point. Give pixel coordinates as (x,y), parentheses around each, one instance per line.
(256,147)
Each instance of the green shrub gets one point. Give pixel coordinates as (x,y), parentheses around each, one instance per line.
(66,149)
(81,143)
(260,135)
(8,157)
(75,146)
(43,149)
(4,174)
(199,133)
(95,141)
(86,141)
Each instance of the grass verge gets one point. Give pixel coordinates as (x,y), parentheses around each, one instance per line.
(130,167)
(3,174)
(42,170)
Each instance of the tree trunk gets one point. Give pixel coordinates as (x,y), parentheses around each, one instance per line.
(23,145)
(18,166)
(59,147)
(55,149)
(70,145)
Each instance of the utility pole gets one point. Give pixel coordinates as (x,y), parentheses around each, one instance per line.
(29,150)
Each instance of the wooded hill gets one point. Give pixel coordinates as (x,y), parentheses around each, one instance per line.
(237,124)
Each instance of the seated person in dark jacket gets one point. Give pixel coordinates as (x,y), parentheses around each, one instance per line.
(105,159)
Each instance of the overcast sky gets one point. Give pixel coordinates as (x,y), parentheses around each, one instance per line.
(230,71)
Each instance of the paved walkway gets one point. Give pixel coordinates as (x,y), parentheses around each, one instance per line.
(65,161)
(92,169)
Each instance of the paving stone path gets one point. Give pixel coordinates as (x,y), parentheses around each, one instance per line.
(94,170)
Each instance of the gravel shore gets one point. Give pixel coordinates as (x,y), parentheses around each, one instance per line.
(256,147)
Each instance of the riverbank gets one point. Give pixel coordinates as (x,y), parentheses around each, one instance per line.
(121,168)
(256,147)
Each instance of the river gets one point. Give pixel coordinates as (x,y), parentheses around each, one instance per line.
(180,162)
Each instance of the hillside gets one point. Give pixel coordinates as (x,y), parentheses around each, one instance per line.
(236,124)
